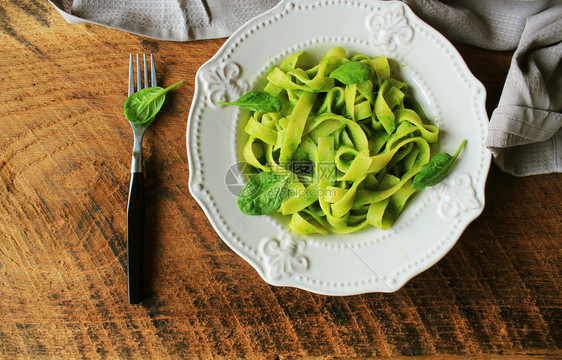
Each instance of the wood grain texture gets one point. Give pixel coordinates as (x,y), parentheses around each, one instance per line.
(64,174)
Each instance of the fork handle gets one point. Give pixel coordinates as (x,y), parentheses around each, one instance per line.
(135,231)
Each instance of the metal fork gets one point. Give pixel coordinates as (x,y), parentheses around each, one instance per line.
(135,208)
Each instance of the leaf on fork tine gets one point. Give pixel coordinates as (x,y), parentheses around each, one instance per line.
(142,106)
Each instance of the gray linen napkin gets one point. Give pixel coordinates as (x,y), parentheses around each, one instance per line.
(175,20)
(525,134)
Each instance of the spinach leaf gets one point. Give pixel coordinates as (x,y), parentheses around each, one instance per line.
(257,101)
(263,194)
(142,106)
(435,170)
(351,73)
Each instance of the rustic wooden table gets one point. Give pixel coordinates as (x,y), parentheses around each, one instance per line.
(64,175)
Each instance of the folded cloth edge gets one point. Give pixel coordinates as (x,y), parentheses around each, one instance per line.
(67,16)
(531,125)
(531,159)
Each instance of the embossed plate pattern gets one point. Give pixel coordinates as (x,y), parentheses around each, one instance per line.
(368,261)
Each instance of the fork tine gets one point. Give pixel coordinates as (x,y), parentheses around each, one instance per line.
(145,72)
(152,72)
(131,76)
(139,78)
(139,85)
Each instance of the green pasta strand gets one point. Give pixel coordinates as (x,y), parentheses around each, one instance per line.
(351,150)
(295,128)
(260,131)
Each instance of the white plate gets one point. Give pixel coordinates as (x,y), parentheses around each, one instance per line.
(372,260)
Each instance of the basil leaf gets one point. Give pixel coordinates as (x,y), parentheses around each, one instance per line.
(142,106)
(257,101)
(263,194)
(435,170)
(352,73)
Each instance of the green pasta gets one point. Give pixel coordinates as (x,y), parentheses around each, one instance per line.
(348,137)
